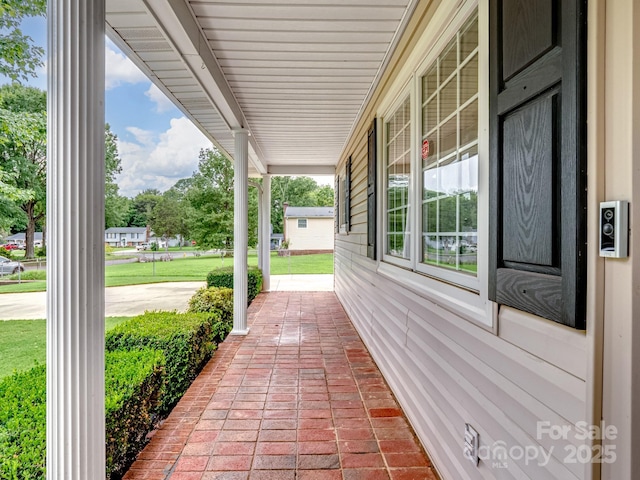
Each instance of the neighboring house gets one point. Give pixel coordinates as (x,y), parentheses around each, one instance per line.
(276,240)
(126,236)
(19,239)
(309,228)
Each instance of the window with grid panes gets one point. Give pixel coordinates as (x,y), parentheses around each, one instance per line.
(398,180)
(449,156)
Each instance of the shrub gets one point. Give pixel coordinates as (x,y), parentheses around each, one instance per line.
(186,339)
(41,252)
(133,384)
(223,277)
(213,299)
(23,435)
(6,253)
(217,300)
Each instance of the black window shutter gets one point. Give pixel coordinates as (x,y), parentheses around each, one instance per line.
(371,192)
(538,163)
(347,195)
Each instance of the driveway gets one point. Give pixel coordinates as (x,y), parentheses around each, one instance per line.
(135,299)
(119,301)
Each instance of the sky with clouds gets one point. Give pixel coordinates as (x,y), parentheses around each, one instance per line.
(158,145)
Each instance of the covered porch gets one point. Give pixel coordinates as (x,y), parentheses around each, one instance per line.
(277,88)
(489,322)
(299,397)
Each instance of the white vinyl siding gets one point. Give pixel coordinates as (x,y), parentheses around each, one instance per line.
(445,368)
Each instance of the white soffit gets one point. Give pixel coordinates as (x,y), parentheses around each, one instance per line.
(296,73)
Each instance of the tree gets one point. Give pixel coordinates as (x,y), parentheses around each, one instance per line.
(211,199)
(324,196)
(116,207)
(142,207)
(19,57)
(170,215)
(23,129)
(11,216)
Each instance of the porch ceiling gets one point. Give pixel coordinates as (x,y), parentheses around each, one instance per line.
(296,73)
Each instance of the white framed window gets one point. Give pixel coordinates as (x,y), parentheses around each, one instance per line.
(397,180)
(449,159)
(434,200)
(302,223)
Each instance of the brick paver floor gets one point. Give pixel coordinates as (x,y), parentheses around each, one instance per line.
(297,398)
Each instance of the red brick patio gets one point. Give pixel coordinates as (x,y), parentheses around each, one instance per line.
(298,398)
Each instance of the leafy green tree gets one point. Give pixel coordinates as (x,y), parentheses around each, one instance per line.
(19,56)
(324,196)
(11,215)
(23,149)
(116,207)
(142,207)
(210,193)
(211,199)
(170,215)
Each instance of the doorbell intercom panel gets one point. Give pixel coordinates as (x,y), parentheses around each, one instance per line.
(614,229)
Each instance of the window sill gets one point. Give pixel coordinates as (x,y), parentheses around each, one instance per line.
(457,300)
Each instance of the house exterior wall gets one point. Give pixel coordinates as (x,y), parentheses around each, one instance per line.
(317,236)
(508,373)
(619,176)
(131,239)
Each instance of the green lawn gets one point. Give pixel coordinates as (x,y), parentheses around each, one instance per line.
(191,269)
(299,264)
(23,343)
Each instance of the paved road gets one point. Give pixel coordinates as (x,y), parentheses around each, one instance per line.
(135,299)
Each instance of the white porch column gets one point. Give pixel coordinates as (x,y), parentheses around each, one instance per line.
(266,233)
(261,238)
(75,227)
(240,232)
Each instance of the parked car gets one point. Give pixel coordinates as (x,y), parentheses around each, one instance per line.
(142,246)
(7,267)
(10,246)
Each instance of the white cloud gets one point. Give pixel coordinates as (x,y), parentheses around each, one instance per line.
(157,96)
(119,70)
(143,137)
(159,161)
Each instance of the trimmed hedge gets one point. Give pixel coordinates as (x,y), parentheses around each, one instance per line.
(132,383)
(150,362)
(213,299)
(23,416)
(223,277)
(186,339)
